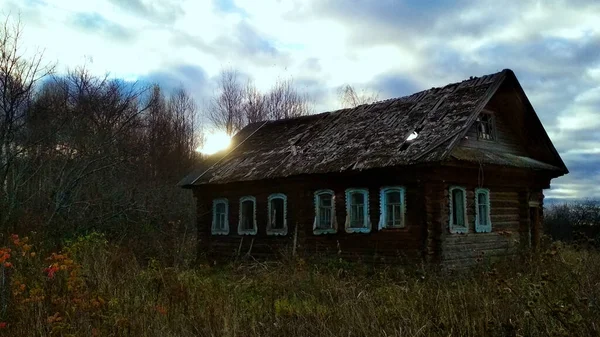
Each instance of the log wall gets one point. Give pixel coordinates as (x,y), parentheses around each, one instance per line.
(426,234)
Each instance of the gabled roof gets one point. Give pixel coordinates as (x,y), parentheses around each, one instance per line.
(368,136)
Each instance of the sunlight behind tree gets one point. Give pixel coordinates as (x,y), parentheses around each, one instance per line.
(214,142)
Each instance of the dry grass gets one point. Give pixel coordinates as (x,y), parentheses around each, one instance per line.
(101,291)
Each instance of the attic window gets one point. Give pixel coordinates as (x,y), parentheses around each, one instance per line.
(485,127)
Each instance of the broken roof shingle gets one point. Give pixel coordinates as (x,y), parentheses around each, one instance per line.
(364,137)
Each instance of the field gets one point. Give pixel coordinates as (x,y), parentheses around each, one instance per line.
(93,288)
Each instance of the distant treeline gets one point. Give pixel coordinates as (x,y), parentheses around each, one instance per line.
(579,221)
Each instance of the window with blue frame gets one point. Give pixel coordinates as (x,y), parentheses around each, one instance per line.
(247,221)
(220,218)
(458,210)
(483,221)
(324,212)
(357,211)
(277,222)
(392,207)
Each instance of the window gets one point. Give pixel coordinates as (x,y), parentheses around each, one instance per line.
(357,211)
(483,221)
(247,223)
(458,210)
(485,126)
(277,224)
(392,207)
(220,219)
(324,212)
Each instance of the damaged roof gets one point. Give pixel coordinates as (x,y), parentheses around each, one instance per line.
(367,136)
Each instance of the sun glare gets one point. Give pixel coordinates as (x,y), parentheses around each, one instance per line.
(215,142)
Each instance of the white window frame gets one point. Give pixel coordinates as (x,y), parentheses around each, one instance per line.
(453,227)
(218,231)
(316,225)
(366,228)
(383,206)
(277,231)
(254,230)
(487,227)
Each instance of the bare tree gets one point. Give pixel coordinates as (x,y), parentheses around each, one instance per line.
(225,109)
(254,105)
(284,101)
(18,76)
(350,98)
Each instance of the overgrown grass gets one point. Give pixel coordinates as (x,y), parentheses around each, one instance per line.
(94,289)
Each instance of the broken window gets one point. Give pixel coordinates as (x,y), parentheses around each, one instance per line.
(357,211)
(324,212)
(483,222)
(392,207)
(485,127)
(277,224)
(247,223)
(458,210)
(220,220)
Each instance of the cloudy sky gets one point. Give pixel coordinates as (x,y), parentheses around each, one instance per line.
(391,47)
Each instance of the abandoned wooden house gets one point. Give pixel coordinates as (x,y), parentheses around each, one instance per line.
(447,174)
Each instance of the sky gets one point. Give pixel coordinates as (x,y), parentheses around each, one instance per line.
(393,48)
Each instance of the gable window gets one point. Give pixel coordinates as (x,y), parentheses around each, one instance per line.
(485,126)
(247,223)
(357,211)
(458,210)
(277,224)
(324,212)
(483,222)
(392,207)
(220,219)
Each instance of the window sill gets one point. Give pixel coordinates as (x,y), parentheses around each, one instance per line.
(459,230)
(219,232)
(247,233)
(322,231)
(277,232)
(351,230)
(395,229)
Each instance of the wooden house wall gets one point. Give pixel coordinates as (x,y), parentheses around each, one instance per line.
(507,140)
(426,234)
(378,244)
(510,196)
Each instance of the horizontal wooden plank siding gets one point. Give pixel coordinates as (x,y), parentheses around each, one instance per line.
(462,250)
(506,141)
(426,234)
(378,244)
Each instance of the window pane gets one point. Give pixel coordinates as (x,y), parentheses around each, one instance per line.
(277,213)
(247,214)
(393,197)
(458,208)
(482,202)
(325,210)
(220,214)
(357,199)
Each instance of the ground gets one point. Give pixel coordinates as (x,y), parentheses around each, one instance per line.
(93,288)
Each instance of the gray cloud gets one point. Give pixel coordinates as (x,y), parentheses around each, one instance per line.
(157,11)
(190,77)
(97,24)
